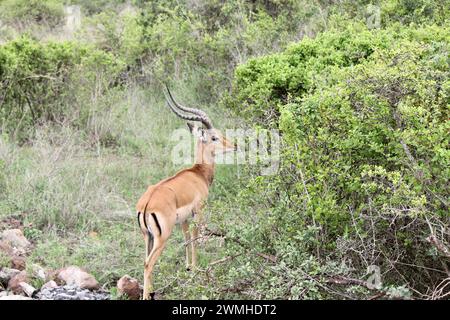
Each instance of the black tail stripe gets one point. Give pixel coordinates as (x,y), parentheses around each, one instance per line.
(157,223)
(139,220)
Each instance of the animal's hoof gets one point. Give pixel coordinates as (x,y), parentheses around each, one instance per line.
(152,296)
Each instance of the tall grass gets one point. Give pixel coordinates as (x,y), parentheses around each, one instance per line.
(75,190)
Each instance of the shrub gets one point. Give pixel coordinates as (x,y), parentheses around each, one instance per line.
(40,82)
(364,118)
(92,7)
(415,11)
(120,35)
(48,12)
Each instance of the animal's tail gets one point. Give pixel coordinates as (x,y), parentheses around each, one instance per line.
(144,224)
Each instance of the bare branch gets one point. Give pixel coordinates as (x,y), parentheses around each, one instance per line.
(439,245)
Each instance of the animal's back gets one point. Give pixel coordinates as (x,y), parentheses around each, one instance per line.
(189,189)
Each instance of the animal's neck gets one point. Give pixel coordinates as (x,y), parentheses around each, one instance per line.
(205,162)
(206,170)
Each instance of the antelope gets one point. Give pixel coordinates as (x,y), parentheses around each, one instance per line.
(178,198)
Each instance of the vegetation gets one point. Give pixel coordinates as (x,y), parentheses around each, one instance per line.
(40,80)
(364,117)
(358,89)
(26,12)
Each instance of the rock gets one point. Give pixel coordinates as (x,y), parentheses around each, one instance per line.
(18,262)
(70,293)
(14,254)
(129,286)
(15,297)
(6,274)
(76,276)
(14,282)
(39,272)
(29,290)
(6,248)
(63,296)
(49,285)
(10,222)
(15,238)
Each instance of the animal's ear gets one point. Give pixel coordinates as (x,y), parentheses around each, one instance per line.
(191,127)
(196,130)
(202,134)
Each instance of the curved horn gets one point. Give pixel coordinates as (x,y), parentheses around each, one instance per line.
(202,116)
(184,116)
(183,108)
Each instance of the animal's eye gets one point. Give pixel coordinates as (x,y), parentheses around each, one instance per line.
(214,138)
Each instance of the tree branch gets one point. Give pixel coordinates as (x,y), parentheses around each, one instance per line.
(439,245)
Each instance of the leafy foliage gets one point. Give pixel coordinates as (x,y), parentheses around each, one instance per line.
(38,80)
(358,89)
(48,12)
(364,116)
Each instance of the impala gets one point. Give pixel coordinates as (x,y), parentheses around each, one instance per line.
(176,199)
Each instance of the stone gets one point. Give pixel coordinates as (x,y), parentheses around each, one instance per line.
(6,248)
(68,292)
(6,274)
(11,252)
(129,286)
(10,222)
(18,262)
(29,290)
(76,276)
(14,282)
(15,297)
(15,238)
(14,254)
(39,272)
(49,285)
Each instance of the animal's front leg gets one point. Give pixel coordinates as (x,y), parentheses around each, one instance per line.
(198,219)
(187,243)
(194,245)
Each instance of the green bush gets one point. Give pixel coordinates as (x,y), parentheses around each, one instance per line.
(211,38)
(92,7)
(120,35)
(263,83)
(415,11)
(49,12)
(40,82)
(363,114)
(406,12)
(365,159)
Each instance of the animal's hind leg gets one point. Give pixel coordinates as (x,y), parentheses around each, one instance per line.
(148,248)
(148,237)
(149,244)
(162,230)
(149,265)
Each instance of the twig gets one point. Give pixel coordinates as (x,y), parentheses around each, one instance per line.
(439,245)
(223,260)
(343,280)
(378,295)
(268,257)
